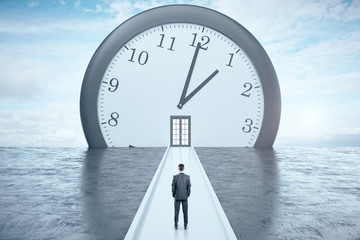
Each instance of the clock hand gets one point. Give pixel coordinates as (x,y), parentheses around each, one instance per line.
(187,82)
(199,87)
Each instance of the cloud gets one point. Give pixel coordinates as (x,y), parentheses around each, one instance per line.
(23,78)
(315,121)
(33,4)
(56,124)
(314,46)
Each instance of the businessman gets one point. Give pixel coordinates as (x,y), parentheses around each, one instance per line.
(181,188)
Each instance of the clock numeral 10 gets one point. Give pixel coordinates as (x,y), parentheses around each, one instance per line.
(249,87)
(113,121)
(248,124)
(162,40)
(204,40)
(142,58)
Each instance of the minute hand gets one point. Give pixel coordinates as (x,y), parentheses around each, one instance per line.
(199,87)
(187,82)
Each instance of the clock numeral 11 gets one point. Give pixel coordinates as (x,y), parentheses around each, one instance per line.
(162,40)
(142,58)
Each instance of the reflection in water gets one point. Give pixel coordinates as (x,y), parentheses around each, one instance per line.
(114,182)
(246,183)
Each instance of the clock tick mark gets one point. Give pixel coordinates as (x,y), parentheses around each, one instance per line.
(203,29)
(103,123)
(162,28)
(256,127)
(105,82)
(238,51)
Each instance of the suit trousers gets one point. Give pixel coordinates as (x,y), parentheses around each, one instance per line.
(185,211)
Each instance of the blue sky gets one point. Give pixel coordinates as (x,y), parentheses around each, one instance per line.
(45,47)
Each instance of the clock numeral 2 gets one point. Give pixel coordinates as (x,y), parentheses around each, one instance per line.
(248,123)
(113,121)
(204,40)
(142,59)
(249,87)
(162,40)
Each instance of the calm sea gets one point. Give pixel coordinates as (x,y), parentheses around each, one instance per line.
(281,193)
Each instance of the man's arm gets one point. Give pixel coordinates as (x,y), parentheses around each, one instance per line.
(173,186)
(188,187)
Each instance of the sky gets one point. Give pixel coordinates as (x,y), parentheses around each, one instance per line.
(45,47)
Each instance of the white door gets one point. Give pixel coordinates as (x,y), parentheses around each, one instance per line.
(180,135)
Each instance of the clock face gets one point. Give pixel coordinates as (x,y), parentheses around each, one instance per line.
(206,66)
(149,72)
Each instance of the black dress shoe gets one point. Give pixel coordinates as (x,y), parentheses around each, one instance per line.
(185,227)
(176,227)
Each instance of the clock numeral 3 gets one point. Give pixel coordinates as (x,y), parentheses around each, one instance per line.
(249,87)
(142,58)
(204,41)
(162,40)
(114,83)
(113,121)
(248,124)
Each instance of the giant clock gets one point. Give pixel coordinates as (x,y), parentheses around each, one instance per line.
(180,60)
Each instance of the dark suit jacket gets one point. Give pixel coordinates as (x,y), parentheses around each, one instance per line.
(181,186)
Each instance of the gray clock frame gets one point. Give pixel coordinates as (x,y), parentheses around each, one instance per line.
(179,14)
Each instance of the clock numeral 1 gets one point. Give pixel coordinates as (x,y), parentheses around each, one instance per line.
(248,123)
(114,83)
(231,58)
(249,87)
(113,121)
(204,40)
(142,59)
(162,40)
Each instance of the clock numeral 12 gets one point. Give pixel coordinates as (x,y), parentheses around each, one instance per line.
(204,40)
(142,59)
(162,40)
(248,125)
(113,121)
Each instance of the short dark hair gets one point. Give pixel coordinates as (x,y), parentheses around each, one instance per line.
(181,167)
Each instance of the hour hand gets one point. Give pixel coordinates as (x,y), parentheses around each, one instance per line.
(186,99)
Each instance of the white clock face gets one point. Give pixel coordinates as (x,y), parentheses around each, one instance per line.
(143,86)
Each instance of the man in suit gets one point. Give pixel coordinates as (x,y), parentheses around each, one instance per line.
(181,188)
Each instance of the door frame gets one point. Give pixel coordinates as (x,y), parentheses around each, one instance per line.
(180,117)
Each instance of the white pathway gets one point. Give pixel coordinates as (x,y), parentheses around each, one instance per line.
(155,216)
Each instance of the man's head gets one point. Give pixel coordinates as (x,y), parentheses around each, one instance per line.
(181,167)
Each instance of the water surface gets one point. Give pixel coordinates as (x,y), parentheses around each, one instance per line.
(281,193)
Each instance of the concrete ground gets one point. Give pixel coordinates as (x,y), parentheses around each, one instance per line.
(286,193)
